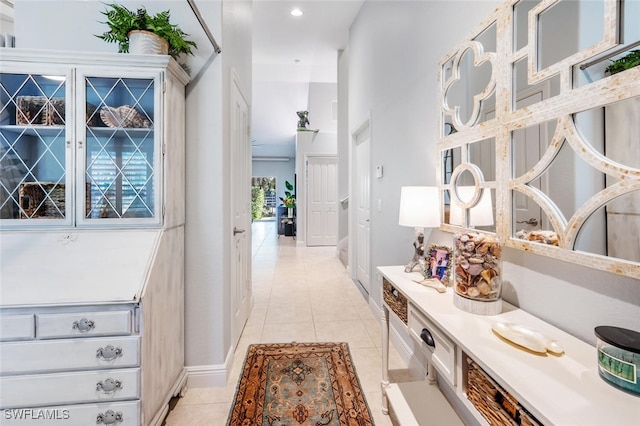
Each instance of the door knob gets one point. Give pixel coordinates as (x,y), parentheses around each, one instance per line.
(532,221)
(237,231)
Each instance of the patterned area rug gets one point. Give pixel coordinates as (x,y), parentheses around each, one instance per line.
(290,384)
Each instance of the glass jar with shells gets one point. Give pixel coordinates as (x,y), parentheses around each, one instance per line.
(477,269)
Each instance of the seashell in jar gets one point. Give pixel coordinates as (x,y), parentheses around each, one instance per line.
(484,288)
(495,283)
(496,250)
(464,263)
(464,238)
(474,269)
(461,288)
(461,272)
(469,246)
(487,274)
(475,260)
(482,248)
(473,292)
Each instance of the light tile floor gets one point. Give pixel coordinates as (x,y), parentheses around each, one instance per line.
(301,294)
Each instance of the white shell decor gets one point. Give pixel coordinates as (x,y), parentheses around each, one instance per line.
(476,260)
(123,116)
(527,338)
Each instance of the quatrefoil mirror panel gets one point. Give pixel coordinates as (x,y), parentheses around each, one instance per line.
(470,82)
(552,133)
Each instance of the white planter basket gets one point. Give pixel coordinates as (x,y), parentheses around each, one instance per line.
(147,43)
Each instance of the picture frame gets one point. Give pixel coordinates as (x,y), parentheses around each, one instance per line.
(438,263)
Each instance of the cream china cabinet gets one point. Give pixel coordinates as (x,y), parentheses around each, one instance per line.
(91,237)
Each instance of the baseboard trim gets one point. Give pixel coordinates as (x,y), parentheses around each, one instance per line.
(209,376)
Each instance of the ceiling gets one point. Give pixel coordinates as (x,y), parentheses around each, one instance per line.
(289,53)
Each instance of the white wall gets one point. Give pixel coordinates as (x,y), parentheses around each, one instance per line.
(393,53)
(343,142)
(321,96)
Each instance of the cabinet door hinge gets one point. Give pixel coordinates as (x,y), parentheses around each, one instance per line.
(164,86)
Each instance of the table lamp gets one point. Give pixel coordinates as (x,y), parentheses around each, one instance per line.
(419,208)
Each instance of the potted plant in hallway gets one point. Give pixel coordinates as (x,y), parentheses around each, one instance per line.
(140,32)
(289,199)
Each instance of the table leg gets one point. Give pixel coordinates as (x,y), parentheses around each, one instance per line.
(385,358)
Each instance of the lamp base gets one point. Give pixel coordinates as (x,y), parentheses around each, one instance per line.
(477,307)
(418,255)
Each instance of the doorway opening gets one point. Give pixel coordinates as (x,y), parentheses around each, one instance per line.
(263,198)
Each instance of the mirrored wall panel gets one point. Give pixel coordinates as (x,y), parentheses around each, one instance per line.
(537,137)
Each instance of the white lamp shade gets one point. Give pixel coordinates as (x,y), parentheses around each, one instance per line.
(419,207)
(480,215)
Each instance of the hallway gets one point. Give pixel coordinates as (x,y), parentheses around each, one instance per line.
(300,294)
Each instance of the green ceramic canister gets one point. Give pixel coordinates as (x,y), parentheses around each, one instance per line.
(619,357)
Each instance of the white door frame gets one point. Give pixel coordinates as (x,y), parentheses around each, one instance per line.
(353,191)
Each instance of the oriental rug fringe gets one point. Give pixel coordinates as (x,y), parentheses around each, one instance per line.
(312,384)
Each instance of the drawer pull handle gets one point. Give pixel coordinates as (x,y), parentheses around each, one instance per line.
(109,386)
(109,417)
(426,336)
(109,353)
(84,325)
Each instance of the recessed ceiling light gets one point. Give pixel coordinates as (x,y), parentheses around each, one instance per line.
(296,12)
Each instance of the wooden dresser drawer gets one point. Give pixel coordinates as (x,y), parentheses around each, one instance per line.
(69,354)
(442,353)
(17,327)
(69,388)
(74,324)
(122,414)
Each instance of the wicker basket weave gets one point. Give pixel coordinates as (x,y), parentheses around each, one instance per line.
(396,300)
(495,404)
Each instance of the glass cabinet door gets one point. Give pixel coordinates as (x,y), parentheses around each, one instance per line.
(34,159)
(118,179)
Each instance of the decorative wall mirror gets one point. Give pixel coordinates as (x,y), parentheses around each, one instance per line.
(535,127)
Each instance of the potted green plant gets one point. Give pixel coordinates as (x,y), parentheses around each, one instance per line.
(289,200)
(628,61)
(125,24)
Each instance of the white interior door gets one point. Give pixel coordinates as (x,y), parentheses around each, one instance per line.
(241,213)
(322,201)
(363,206)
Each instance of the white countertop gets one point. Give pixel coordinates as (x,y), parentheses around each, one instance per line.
(562,390)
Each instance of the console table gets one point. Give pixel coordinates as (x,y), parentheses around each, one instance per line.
(545,388)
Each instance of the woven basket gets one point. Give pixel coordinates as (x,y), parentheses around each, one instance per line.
(396,300)
(40,110)
(495,404)
(35,203)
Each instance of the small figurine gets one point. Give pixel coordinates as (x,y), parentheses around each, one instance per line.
(302,123)
(418,256)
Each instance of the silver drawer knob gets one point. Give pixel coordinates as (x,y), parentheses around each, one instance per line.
(108,353)
(109,418)
(109,386)
(84,325)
